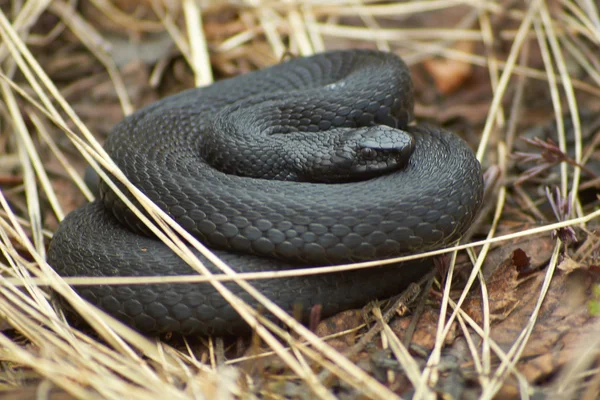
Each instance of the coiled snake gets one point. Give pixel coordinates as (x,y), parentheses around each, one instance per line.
(307,163)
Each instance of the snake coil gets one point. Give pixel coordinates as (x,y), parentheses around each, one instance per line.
(310,162)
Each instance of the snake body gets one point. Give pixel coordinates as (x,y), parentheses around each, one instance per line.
(310,162)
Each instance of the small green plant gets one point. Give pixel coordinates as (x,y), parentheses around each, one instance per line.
(594,304)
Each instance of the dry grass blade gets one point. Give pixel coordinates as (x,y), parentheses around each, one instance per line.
(199,52)
(521,35)
(48,132)
(573,108)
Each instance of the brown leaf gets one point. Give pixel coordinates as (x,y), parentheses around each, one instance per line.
(568,265)
(563,318)
(449,74)
(343,321)
(425,332)
(501,288)
(520,259)
(537,250)
(340,322)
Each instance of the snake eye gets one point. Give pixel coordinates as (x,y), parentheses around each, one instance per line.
(368,153)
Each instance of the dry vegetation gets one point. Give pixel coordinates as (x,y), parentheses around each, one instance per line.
(519,300)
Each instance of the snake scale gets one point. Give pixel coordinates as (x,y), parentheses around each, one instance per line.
(311,162)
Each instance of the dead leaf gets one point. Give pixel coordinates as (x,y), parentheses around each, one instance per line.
(425,332)
(450,74)
(502,294)
(563,318)
(568,265)
(520,259)
(537,249)
(343,321)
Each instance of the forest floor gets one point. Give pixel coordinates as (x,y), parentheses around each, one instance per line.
(512,313)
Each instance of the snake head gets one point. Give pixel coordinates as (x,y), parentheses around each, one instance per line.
(356,154)
(378,149)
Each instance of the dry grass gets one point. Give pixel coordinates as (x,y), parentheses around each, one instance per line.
(497,37)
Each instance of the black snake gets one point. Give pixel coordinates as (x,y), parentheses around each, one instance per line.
(307,163)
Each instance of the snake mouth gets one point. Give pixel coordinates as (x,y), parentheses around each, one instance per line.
(369,164)
(389,161)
